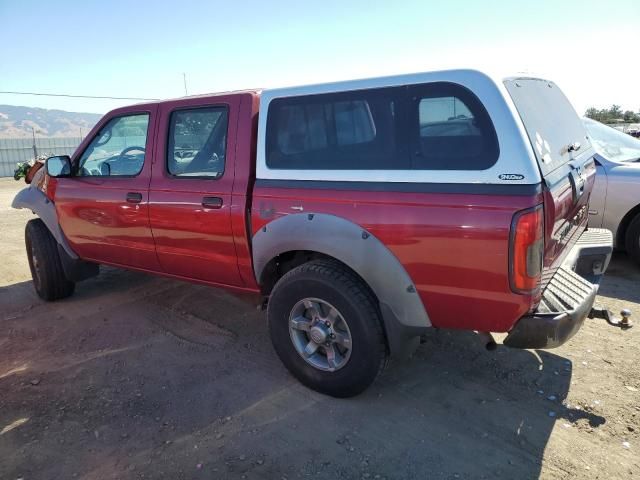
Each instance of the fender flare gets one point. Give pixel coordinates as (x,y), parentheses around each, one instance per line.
(36,201)
(404,315)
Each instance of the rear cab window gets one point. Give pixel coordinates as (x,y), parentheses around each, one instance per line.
(551,123)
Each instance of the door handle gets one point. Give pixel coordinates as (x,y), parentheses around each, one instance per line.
(212,202)
(134,197)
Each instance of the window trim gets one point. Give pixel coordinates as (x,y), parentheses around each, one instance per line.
(167,172)
(105,123)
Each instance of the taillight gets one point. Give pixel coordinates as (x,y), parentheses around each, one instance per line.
(527,250)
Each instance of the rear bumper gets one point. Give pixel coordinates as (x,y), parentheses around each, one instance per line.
(590,256)
(568,297)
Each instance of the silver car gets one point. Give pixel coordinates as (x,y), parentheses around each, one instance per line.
(615,200)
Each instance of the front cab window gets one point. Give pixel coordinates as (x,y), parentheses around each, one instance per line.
(118,150)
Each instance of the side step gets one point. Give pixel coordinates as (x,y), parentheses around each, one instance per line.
(566,292)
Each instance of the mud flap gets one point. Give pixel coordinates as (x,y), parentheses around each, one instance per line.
(75,269)
(401,339)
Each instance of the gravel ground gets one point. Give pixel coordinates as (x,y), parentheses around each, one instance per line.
(143,377)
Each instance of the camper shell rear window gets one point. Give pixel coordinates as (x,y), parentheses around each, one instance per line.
(550,121)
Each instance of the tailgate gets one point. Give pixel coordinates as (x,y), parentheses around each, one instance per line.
(565,157)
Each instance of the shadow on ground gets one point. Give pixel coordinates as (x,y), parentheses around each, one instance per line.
(622,279)
(137,376)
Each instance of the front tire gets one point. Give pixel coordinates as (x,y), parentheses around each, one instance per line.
(48,275)
(326,328)
(632,239)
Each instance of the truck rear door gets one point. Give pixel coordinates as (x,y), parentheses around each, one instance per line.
(191,186)
(565,157)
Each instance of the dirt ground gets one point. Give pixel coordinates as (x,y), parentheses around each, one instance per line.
(144,377)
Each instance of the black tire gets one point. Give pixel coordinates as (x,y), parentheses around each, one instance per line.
(48,276)
(632,239)
(338,286)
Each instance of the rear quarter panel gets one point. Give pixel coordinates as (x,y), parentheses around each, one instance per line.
(623,195)
(455,247)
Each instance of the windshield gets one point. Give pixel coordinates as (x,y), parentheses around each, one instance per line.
(612,143)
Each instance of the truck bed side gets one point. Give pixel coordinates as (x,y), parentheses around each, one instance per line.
(453,246)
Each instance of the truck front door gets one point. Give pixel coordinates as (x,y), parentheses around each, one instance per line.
(190,194)
(103,209)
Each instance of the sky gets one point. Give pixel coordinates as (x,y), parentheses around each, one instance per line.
(142,48)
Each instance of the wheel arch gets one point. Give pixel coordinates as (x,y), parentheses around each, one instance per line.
(294,239)
(624,225)
(36,201)
(33,199)
(283,262)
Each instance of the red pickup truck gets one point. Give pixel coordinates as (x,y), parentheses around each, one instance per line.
(359,213)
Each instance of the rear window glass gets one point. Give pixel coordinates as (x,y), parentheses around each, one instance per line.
(341,131)
(455,132)
(436,126)
(305,127)
(197,142)
(550,121)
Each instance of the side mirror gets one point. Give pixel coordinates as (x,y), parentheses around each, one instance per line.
(59,166)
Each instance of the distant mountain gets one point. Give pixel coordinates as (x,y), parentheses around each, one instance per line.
(17,122)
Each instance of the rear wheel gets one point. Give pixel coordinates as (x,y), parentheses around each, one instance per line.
(48,276)
(326,328)
(632,239)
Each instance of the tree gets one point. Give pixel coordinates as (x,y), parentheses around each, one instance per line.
(631,117)
(612,114)
(592,112)
(615,111)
